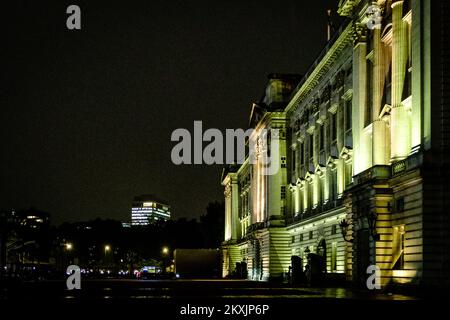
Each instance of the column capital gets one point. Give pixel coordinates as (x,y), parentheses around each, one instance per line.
(359,32)
(396,2)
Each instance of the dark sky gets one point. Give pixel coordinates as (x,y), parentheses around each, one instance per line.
(86,116)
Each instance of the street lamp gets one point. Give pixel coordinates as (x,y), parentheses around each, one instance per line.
(107,248)
(165,252)
(69,246)
(372,219)
(344,228)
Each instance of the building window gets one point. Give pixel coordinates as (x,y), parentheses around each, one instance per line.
(348,173)
(322,138)
(283,162)
(333,127)
(311,235)
(369,93)
(398,247)
(293,239)
(283,192)
(407,87)
(333,229)
(333,184)
(301,237)
(310,192)
(320,190)
(294,158)
(400,204)
(348,115)
(333,257)
(311,148)
(387,96)
(302,155)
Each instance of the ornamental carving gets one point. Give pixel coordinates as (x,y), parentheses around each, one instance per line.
(359,32)
(227,192)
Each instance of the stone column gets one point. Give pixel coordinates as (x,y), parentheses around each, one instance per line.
(379,137)
(227,195)
(362,145)
(235,223)
(400,118)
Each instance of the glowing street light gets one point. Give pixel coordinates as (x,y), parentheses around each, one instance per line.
(107,248)
(165,250)
(69,246)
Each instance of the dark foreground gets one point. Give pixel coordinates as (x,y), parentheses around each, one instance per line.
(203,299)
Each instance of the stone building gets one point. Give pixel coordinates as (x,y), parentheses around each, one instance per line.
(362,143)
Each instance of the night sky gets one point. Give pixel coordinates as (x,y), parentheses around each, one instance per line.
(86,116)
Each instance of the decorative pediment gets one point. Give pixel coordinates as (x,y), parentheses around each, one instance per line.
(332,162)
(311,125)
(385,113)
(320,170)
(348,94)
(256,115)
(346,153)
(309,177)
(292,187)
(300,182)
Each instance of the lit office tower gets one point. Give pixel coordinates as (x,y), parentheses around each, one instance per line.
(146,209)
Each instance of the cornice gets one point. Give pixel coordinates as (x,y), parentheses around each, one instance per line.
(322,67)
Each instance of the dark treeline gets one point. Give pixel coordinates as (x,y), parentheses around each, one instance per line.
(29,243)
(88,239)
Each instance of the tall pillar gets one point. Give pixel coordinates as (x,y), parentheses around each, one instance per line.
(362,145)
(235,223)
(400,118)
(380,155)
(231,193)
(227,195)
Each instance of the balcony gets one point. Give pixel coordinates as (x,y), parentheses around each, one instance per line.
(407,164)
(374,173)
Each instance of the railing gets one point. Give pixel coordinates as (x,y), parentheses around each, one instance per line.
(318,210)
(322,54)
(376,172)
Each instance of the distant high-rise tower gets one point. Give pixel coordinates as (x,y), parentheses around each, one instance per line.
(147,209)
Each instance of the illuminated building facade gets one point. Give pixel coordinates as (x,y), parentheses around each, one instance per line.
(146,209)
(362,142)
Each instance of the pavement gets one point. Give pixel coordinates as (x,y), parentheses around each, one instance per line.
(190,299)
